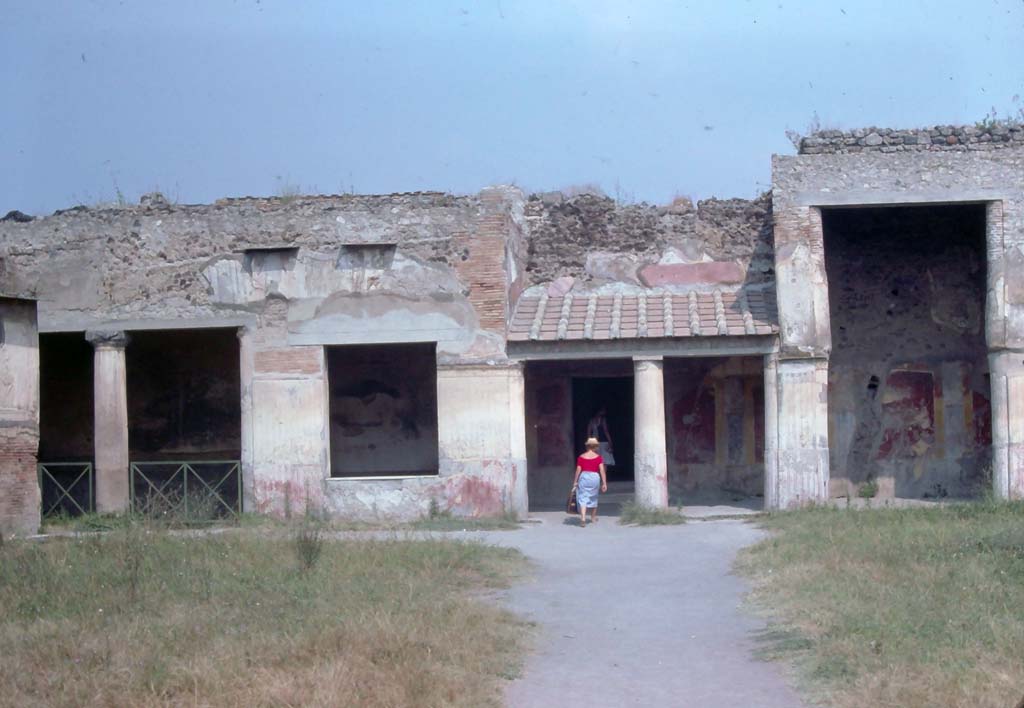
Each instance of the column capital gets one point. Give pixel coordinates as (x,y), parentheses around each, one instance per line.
(107,339)
(642,358)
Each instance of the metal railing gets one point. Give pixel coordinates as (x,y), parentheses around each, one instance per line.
(193,489)
(66,488)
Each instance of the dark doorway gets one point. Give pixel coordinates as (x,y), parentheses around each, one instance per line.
(615,395)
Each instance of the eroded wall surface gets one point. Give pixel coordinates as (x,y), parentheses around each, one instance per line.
(19,417)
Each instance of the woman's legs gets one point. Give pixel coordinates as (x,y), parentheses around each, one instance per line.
(593,514)
(583,515)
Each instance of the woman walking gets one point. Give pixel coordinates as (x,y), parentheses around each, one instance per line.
(590,477)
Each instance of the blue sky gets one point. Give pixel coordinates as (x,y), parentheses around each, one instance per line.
(648,100)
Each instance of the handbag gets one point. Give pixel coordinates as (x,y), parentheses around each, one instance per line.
(570,504)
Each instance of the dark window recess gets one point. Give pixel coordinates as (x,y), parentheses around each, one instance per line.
(383,406)
(270,259)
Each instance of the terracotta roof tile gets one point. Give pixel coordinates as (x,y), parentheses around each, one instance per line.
(691,315)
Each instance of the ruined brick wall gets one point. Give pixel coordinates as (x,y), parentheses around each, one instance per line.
(951,138)
(594,240)
(19,417)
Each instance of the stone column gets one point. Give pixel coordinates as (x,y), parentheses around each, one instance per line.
(771,431)
(110,421)
(517,440)
(1004,334)
(650,460)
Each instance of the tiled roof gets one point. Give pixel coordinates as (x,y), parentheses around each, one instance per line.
(544,318)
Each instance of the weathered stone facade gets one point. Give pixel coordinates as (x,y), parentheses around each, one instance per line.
(796,345)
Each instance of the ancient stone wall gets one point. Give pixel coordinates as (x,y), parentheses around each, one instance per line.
(945,138)
(588,240)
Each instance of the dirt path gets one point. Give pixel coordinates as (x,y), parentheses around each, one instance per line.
(639,617)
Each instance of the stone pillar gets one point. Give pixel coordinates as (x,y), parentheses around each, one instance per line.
(246,364)
(517,440)
(771,431)
(802,444)
(650,460)
(1004,333)
(110,421)
(1007,376)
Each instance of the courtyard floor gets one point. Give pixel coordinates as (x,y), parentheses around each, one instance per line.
(638,616)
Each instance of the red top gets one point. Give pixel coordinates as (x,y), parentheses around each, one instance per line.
(590,464)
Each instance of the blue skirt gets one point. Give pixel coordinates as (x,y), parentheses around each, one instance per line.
(587,488)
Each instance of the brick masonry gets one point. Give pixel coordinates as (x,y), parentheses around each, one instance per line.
(19,487)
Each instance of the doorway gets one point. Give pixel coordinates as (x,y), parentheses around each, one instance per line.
(615,395)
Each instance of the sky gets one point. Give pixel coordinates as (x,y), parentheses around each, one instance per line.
(105,100)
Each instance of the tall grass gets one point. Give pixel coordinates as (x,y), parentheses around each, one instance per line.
(898,607)
(143,617)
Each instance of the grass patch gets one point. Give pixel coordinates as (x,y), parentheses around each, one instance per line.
(144,617)
(636,515)
(438,520)
(897,607)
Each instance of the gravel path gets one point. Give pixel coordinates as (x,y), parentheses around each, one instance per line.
(638,616)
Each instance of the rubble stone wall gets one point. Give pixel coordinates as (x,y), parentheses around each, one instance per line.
(944,138)
(589,240)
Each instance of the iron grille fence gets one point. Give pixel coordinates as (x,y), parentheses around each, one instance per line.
(66,488)
(191,490)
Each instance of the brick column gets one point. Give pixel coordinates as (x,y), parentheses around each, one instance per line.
(110,421)
(650,457)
